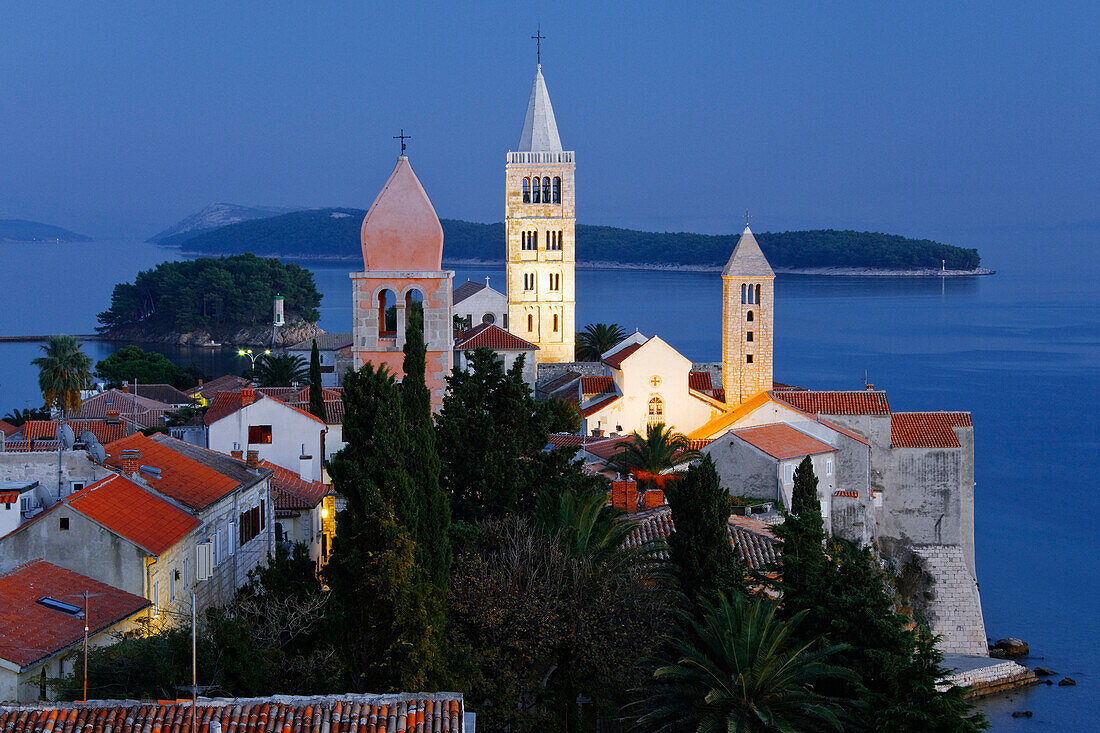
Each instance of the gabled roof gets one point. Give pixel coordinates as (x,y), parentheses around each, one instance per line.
(134,408)
(30,631)
(927,429)
(540,129)
(747,260)
(402,712)
(290,491)
(298,397)
(720,423)
(221,384)
(325,342)
(7,429)
(165,393)
(130,511)
(615,360)
(193,476)
(103,431)
(699,381)
(591,386)
(225,404)
(491,336)
(751,538)
(781,441)
(465,290)
(592,409)
(856,402)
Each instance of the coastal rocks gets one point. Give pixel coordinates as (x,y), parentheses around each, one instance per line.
(1011,647)
(291,333)
(1022,714)
(1067,682)
(1043,671)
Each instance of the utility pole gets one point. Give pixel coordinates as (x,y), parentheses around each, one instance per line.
(85,698)
(194,664)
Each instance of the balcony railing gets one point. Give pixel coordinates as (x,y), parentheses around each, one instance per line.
(561,156)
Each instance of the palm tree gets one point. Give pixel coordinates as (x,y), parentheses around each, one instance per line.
(654,453)
(62,373)
(596,338)
(282,370)
(590,530)
(740,669)
(17,417)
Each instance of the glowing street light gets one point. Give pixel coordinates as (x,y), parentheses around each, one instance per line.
(252,357)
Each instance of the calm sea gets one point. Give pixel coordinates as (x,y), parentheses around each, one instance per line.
(1019,350)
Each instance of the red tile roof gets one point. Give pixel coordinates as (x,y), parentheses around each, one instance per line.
(221,384)
(699,381)
(130,511)
(7,429)
(182,478)
(491,336)
(781,441)
(927,429)
(289,491)
(140,410)
(594,408)
(104,431)
(615,361)
(860,402)
(30,631)
(29,446)
(299,397)
(591,386)
(780,387)
(402,712)
(751,538)
(226,403)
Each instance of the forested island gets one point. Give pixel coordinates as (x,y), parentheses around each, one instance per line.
(213,299)
(334,234)
(21,230)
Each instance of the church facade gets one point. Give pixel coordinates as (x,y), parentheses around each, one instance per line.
(539,223)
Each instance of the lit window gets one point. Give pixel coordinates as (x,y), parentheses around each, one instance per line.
(259,434)
(656,411)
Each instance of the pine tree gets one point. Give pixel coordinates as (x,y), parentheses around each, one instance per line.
(432,533)
(385,616)
(316,392)
(700,547)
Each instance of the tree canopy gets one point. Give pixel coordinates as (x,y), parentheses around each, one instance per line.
(63,371)
(132,363)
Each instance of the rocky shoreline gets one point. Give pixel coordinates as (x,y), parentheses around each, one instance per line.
(286,335)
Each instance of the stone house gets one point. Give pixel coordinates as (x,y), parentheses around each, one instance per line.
(305,512)
(334,350)
(507,346)
(478,304)
(42,617)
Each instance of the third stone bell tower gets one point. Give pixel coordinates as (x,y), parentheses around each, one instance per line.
(539,223)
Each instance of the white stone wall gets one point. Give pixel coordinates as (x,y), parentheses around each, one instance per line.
(485,302)
(956,609)
(289,430)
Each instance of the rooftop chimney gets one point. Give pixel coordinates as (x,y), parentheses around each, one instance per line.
(112,417)
(653,498)
(248,396)
(237,453)
(597,432)
(624,495)
(253,459)
(305,468)
(130,459)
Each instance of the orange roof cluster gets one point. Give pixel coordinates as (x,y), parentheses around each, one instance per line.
(615,361)
(781,441)
(403,712)
(30,631)
(182,478)
(491,336)
(136,409)
(227,382)
(591,386)
(856,402)
(298,397)
(290,491)
(103,431)
(596,407)
(226,403)
(130,511)
(700,381)
(927,429)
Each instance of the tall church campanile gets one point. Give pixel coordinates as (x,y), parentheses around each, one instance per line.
(539,222)
(747,333)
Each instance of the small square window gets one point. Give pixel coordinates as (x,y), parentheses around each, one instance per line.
(63,523)
(259,434)
(748,336)
(748,358)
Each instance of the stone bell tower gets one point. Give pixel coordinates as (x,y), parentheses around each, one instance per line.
(747,299)
(539,222)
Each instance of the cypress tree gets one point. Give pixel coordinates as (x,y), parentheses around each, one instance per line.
(316,393)
(803,535)
(432,532)
(700,547)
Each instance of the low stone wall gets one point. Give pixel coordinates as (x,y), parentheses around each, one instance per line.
(982,681)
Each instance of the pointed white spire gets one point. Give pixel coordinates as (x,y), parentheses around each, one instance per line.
(540,129)
(747,260)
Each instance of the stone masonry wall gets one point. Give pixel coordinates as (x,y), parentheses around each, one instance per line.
(955,612)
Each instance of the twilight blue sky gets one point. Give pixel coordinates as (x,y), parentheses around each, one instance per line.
(119,118)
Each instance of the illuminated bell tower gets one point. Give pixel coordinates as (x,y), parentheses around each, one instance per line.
(747,334)
(539,223)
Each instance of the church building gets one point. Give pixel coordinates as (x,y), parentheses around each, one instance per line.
(539,222)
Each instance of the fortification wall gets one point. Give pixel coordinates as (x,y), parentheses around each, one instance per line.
(955,612)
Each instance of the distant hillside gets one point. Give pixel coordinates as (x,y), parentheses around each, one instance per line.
(334,233)
(21,230)
(213,217)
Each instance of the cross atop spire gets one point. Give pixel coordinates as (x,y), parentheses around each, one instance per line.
(538,38)
(402,137)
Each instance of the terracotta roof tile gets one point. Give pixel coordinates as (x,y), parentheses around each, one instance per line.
(402,712)
(752,538)
(104,431)
(591,386)
(226,403)
(30,631)
(221,384)
(187,472)
(130,511)
(289,491)
(29,446)
(780,387)
(299,397)
(781,441)
(137,409)
(491,336)
(597,406)
(615,361)
(700,381)
(7,429)
(165,393)
(859,402)
(927,429)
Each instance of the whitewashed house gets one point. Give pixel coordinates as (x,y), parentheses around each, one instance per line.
(477,304)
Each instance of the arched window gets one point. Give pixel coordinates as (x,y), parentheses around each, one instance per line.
(530,324)
(557,189)
(387,314)
(555,323)
(534,239)
(555,283)
(535,198)
(743,296)
(414,307)
(748,316)
(529,281)
(561,238)
(656,411)
(526,190)
(546,190)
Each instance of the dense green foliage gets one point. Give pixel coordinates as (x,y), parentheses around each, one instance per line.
(132,363)
(740,668)
(63,371)
(316,390)
(280,370)
(318,232)
(597,338)
(21,230)
(700,549)
(220,294)
(655,452)
(18,415)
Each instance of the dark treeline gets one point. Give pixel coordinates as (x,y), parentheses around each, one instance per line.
(213,293)
(335,232)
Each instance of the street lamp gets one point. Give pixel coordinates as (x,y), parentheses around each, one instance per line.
(252,357)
